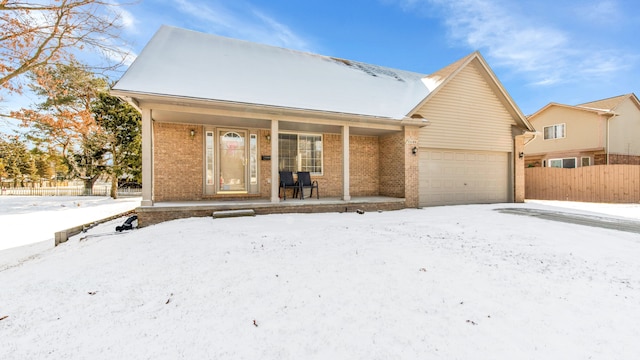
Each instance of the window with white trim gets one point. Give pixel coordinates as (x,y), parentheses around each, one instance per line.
(586,161)
(209,152)
(568,163)
(554,132)
(300,152)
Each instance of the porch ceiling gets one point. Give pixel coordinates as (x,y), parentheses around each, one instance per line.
(251,122)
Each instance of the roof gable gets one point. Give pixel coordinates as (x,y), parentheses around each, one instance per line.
(439,79)
(602,107)
(187,64)
(607,104)
(535,115)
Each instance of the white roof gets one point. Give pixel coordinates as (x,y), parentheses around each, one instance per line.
(184,63)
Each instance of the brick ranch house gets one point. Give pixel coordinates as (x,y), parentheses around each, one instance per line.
(221,117)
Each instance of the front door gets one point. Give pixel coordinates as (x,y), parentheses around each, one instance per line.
(232,161)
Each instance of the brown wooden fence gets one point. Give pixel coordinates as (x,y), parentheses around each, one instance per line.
(600,183)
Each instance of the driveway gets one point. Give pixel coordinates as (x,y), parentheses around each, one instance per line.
(632,226)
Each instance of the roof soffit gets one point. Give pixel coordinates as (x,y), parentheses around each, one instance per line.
(260,112)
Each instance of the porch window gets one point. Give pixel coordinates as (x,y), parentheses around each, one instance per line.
(209,158)
(563,163)
(554,132)
(300,152)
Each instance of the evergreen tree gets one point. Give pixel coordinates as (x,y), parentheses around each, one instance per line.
(89,162)
(45,164)
(63,122)
(121,126)
(17,163)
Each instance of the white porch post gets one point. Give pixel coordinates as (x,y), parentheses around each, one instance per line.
(275,176)
(345,163)
(147,158)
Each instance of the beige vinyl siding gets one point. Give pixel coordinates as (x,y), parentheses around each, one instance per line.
(625,129)
(467,114)
(583,130)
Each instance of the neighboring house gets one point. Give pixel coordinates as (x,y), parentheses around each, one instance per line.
(222,116)
(594,133)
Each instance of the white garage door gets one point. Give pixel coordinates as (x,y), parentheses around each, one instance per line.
(452,177)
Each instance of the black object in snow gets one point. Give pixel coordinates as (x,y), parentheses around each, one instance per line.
(129,224)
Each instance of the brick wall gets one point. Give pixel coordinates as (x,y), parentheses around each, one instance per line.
(330,183)
(519,179)
(178,165)
(153,215)
(601,159)
(364,166)
(177,162)
(264,165)
(392,165)
(411,168)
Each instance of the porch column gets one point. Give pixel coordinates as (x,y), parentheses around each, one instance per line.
(345,163)
(275,176)
(147,158)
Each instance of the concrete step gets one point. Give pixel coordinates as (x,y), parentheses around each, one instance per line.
(233,213)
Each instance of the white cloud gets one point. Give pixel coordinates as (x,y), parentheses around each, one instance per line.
(281,33)
(241,20)
(598,11)
(119,55)
(524,41)
(127,20)
(215,16)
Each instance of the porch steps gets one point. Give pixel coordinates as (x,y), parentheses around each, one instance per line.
(233,213)
(166,211)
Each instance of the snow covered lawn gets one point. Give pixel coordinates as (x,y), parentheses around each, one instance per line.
(26,220)
(457,282)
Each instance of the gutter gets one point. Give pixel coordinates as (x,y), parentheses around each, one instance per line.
(526,133)
(533,134)
(419,122)
(518,131)
(135,99)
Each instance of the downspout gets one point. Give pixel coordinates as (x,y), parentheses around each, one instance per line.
(608,120)
(518,153)
(534,133)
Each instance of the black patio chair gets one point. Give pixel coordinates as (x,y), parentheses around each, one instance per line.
(286,182)
(304,182)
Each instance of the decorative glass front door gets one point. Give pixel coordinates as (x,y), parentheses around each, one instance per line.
(232,161)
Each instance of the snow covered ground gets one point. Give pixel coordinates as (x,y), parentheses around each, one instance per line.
(454,282)
(27,220)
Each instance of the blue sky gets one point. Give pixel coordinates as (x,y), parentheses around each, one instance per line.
(570,51)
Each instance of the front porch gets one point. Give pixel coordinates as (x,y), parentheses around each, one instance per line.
(170,210)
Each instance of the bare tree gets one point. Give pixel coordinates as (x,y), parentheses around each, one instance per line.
(37,33)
